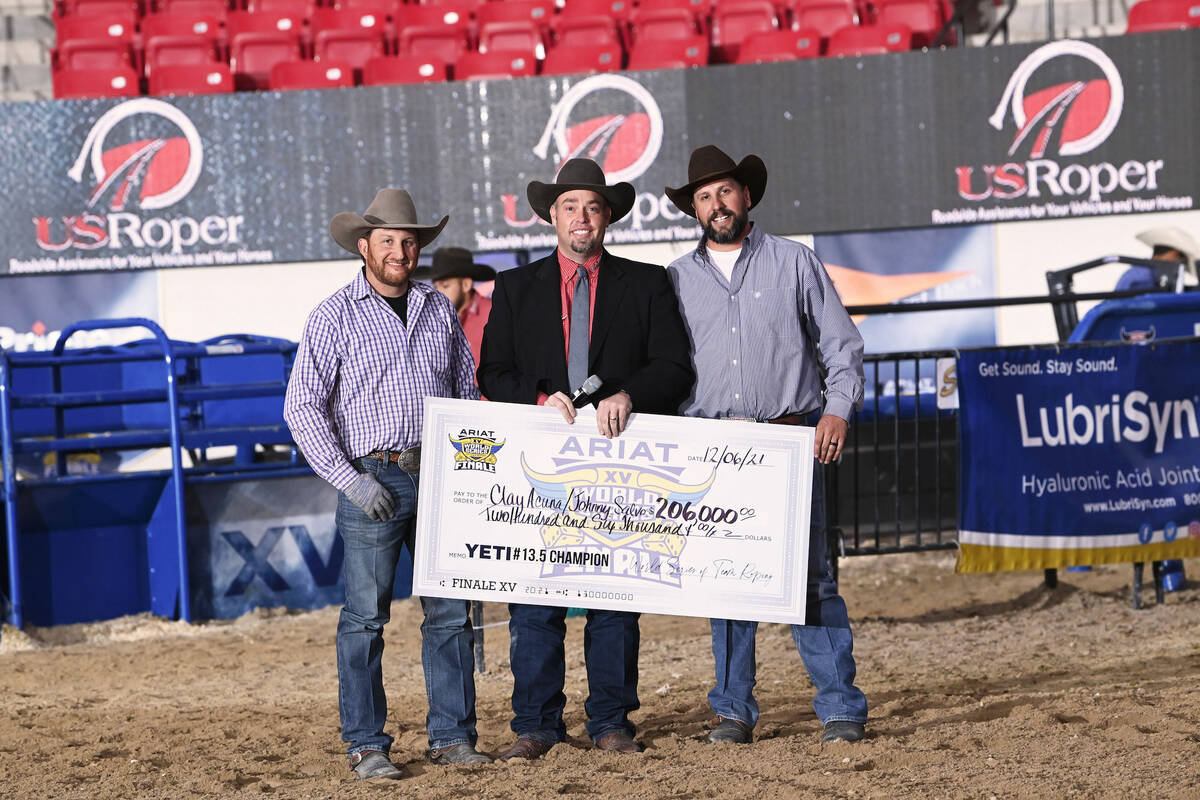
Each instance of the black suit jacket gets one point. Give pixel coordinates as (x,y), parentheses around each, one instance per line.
(638,341)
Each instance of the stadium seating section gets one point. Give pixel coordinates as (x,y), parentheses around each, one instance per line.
(117,48)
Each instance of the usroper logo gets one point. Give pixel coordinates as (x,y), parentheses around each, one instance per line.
(616,122)
(1053,125)
(130,174)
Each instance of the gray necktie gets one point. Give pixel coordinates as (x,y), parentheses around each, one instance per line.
(577,359)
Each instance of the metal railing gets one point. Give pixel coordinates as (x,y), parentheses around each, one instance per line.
(895,487)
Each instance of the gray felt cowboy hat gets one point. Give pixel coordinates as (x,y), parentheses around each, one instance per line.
(710,163)
(454,262)
(391,208)
(581,173)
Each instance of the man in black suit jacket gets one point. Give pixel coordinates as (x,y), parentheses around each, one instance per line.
(619,319)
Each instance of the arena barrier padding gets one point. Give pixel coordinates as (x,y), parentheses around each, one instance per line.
(93,532)
(1141,319)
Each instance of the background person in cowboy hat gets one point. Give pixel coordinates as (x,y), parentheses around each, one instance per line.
(1169,244)
(368,357)
(581,311)
(771,341)
(454,273)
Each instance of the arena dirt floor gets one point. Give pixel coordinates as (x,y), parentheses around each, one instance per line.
(980,687)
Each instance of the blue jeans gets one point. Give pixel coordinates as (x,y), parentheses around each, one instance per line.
(372,551)
(610,651)
(824,641)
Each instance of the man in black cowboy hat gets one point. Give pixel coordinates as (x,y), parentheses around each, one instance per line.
(581,311)
(454,273)
(771,342)
(369,356)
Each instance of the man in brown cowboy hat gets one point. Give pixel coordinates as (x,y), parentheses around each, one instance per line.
(581,311)
(454,273)
(773,343)
(368,357)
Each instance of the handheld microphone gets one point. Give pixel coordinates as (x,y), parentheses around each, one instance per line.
(589,388)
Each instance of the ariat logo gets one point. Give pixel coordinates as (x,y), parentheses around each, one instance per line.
(476,450)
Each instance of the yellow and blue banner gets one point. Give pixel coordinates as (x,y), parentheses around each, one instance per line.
(1079,456)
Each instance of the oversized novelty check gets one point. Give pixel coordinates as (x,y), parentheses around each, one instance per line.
(685,516)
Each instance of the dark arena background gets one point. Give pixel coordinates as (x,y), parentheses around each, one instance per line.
(1015,521)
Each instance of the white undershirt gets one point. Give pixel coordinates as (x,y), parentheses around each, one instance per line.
(724,260)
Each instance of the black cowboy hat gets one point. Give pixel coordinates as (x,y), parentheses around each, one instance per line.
(581,173)
(454,262)
(391,208)
(710,163)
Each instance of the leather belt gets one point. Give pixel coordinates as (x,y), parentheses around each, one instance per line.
(786,419)
(408,459)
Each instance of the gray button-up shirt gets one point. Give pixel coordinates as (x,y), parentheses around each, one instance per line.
(765,343)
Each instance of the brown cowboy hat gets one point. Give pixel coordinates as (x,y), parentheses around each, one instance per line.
(581,173)
(454,262)
(391,208)
(709,163)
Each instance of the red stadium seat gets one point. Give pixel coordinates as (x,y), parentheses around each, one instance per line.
(105,53)
(352,35)
(512,36)
(119,82)
(586,30)
(163,51)
(191,79)
(434,31)
(669,53)
(617,10)
(500,64)
(294,8)
(115,24)
(539,12)
(923,17)
(1163,15)
(699,8)
(239,22)
(393,6)
(779,46)
(662,23)
(825,16)
(92,8)
(95,41)
(202,8)
(866,40)
(582,58)
(257,41)
(734,20)
(181,38)
(514,25)
(424,41)
(450,14)
(384,70)
(181,24)
(310,75)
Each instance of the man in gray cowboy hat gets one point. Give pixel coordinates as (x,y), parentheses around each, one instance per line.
(581,311)
(368,357)
(771,342)
(454,273)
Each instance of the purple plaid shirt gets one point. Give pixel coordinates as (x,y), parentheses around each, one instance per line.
(360,377)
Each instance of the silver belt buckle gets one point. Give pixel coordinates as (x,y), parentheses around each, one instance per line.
(409,460)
